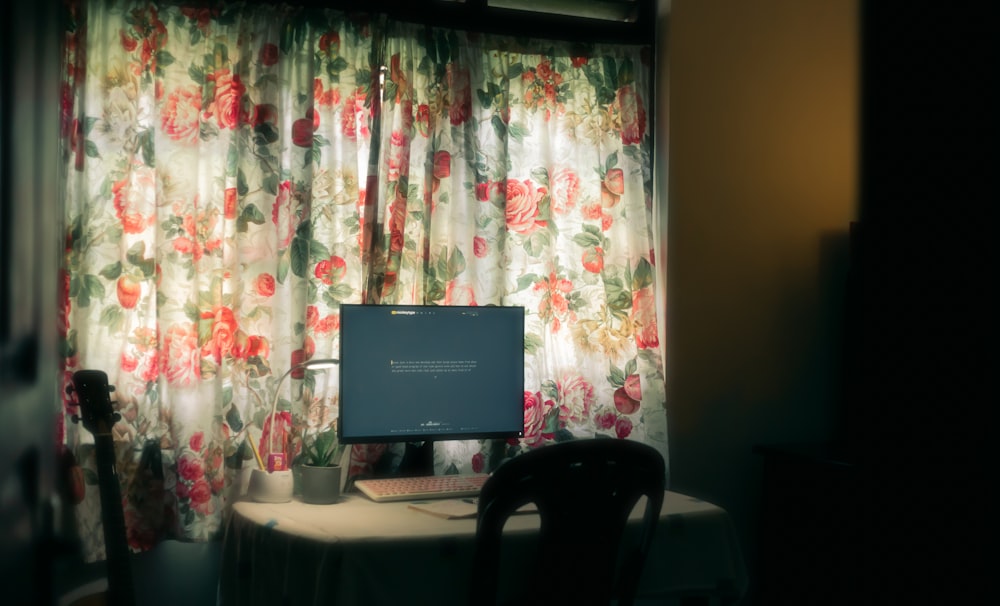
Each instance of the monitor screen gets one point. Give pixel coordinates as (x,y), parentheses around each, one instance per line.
(413,373)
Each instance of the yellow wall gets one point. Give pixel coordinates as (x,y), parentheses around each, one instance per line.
(762,116)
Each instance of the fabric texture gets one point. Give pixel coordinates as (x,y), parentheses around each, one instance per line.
(236,173)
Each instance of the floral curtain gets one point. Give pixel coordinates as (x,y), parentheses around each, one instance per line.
(235,175)
(212,229)
(517,172)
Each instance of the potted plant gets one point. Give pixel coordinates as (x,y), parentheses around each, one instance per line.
(319,466)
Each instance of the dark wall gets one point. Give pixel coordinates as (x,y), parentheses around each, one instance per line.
(29,217)
(924,399)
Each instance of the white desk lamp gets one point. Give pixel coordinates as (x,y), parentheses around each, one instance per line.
(275,485)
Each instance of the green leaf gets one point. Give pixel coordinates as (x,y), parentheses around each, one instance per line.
(626,73)
(250,214)
(587,240)
(196,73)
(499,127)
(283,267)
(337,294)
(611,161)
(551,421)
(540,175)
(550,389)
(241,184)
(265,134)
(270,184)
(112,317)
(299,250)
(146,144)
(536,243)
(526,281)
(338,65)
(456,263)
(615,376)
(164,58)
(532,343)
(485,98)
(643,275)
(192,312)
(112,271)
(518,131)
(630,367)
(93,286)
(136,252)
(318,250)
(435,290)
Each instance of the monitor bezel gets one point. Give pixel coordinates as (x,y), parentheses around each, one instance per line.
(429,435)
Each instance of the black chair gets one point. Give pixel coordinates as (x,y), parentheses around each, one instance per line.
(584,491)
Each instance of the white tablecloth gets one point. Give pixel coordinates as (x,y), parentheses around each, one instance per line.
(360,552)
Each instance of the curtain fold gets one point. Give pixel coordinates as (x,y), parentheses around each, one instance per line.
(238,172)
(518,172)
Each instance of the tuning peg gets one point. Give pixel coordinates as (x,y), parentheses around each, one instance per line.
(75,418)
(111,388)
(69,390)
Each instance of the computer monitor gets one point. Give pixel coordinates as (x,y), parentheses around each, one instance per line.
(412,373)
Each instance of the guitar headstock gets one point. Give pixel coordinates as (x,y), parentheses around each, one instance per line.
(93,395)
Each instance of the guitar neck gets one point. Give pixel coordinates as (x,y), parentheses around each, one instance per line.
(120,587)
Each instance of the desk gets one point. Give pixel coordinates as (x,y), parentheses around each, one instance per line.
(360,552)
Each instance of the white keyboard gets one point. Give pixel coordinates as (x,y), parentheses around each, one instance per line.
(422,487)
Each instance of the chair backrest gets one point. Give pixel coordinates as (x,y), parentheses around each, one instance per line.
(584,491)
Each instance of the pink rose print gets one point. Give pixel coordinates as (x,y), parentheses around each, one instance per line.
(521,210)
(623,427)
(284,209)
(647,335)
(632,114)
(197,441)
(565,189)
(181,113)
(264,285)
(229,91)
(480,247)
(576,397)
(129,201)
(535,410)
(181,356)
(224,327)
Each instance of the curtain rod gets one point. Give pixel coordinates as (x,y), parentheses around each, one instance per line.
(479,16)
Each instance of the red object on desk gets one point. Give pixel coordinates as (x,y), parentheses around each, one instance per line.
(276,462)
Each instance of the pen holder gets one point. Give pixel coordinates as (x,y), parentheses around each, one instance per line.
(270,486)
